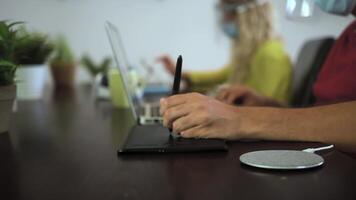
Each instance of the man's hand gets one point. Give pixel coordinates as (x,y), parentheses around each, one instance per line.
(243,96)
(194,115)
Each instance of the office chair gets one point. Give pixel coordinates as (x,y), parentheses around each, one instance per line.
(310,60)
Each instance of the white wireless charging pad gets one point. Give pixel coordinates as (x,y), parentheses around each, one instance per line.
(282,159)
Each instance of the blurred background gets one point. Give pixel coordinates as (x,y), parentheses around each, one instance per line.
(150,28)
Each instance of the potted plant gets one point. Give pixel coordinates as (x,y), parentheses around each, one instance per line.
(99,76)
(93,68)
(31,52)
(62,64)
(8,37)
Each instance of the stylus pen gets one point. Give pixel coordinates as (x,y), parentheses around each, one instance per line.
(177,77)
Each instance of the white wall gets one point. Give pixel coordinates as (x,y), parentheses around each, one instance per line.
(152,27)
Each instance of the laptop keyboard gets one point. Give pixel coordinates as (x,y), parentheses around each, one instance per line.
(149,110)
(155,111)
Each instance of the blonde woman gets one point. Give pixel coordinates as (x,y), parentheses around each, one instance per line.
(258,61)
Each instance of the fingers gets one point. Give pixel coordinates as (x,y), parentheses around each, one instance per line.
(230,95)
(167,62)
(184,111)
(184,123)
(172,114)
(177,106)
(175,100)
(163,58)
(196,132)
(169,102)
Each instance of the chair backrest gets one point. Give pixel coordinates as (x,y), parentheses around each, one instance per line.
(310,59)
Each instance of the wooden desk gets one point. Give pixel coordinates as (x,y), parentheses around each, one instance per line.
(64,147)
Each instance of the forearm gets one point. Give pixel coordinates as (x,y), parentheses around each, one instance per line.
(269,102)
(334,124)
(208,78)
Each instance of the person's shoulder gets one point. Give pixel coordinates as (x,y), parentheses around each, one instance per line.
(271,45)
(271,49)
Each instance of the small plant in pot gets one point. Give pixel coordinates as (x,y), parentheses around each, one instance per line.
(32,48)
(99,76)
(31,52)
(62,64)
(8,37)
(95,69)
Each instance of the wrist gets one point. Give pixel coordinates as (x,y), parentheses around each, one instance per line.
(255,122)
(241,125)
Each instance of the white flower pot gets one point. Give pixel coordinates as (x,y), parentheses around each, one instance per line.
(30,80)
(7,96)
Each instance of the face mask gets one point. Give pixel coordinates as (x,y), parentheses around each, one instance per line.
(338,7)
(230,29)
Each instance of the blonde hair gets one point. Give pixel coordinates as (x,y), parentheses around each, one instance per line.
(254,21)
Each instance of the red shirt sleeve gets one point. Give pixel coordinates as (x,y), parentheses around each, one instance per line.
(336,81)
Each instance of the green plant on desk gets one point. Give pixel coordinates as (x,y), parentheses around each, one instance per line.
(31,52)
(62,52)
(7,73)
(32,48)
(8,39)
(62,64)
(93,68)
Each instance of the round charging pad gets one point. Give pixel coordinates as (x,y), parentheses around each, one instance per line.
(282,159)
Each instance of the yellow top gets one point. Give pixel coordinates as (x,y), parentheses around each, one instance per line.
(269,73)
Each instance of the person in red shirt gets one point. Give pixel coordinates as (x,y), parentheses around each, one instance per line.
(336,81)
(332,120)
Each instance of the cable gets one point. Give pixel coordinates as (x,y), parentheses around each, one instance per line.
(312,150)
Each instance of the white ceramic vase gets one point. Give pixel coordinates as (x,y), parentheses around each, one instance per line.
(30,80)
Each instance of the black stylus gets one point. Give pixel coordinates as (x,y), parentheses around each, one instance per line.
(177,77)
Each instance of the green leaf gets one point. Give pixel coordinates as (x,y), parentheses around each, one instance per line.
(63,53)
(94,68)
(7,72)
(15,23)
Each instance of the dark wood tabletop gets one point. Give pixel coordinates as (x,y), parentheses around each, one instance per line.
(65,147)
